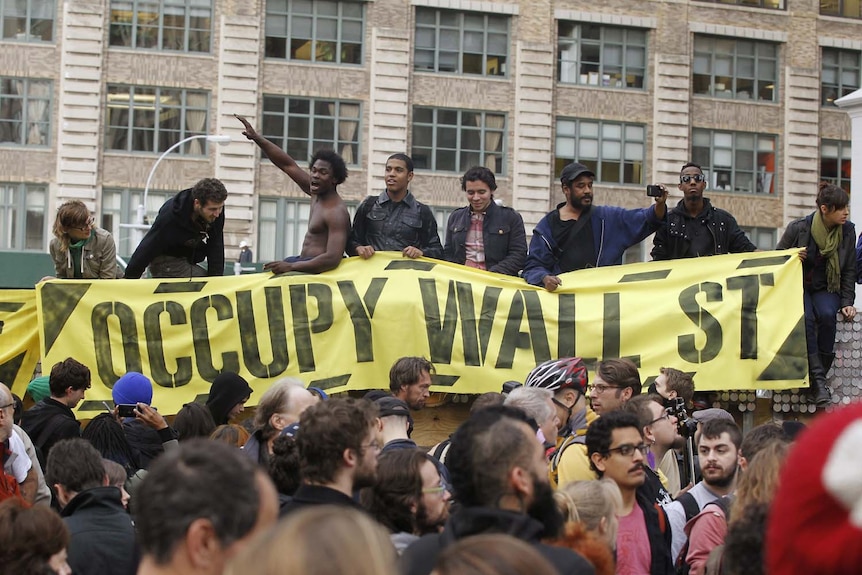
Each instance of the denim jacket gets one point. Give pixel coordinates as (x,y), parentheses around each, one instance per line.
(392,226)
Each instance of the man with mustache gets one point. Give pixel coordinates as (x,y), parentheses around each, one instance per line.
(718,452)
(695,227)
(617,451)
(579,235)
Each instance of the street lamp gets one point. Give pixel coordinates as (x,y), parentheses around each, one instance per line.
(139,226)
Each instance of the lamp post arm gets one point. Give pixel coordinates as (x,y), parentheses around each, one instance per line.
(143,207)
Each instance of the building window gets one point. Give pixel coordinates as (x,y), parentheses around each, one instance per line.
(839,74)
(735,68)
(763,238)
(120,206)
(835,163)
(772,4)
(25,111)
(315,30)
(180,25)
(28,20)
(447,140)
(845,8)
(302,126)
(461,42)
(22,216)
(605,56)
(282,223)
(147,119)
(614,151)
(736,161)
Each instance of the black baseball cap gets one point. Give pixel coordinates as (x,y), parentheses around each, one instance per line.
(573,170)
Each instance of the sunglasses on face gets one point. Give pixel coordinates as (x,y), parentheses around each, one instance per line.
(697,178)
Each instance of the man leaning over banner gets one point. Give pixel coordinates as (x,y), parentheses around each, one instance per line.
(578,235)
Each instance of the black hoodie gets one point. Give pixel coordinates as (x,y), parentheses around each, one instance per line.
(48,422)
(227,390)
(175,234)
(102,535)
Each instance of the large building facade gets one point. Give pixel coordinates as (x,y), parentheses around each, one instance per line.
(93,91)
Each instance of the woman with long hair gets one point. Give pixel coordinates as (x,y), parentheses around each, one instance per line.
(80,249)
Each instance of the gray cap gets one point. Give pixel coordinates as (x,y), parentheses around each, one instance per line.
(573,170)
(704,415)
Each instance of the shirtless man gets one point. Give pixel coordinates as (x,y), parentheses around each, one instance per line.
(329,222)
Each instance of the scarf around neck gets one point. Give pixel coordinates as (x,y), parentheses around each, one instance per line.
(827,242)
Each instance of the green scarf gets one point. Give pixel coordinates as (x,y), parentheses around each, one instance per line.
(827,242)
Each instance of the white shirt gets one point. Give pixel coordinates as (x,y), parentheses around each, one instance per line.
(18,465)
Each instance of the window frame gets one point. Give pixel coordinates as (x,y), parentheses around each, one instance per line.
(712,172)
(844,154)
(839,13)
(137,37)
(288,16)
(27,101)
(195,148)
(14,212)
(127,213)
(462,30)
(839,69)
(29,36)
(578,42)
(313,144)
(715,56)
(597,163)
(752,3)
(434,149)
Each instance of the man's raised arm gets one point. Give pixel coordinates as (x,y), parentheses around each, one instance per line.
(277,156)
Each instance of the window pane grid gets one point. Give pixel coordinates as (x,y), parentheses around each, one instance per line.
(169,25)
(739,162)
(840,74)
(771,4)
(455,140)
(28,21)
(315,31)
(22,216)
(151,119)
(302,126)
(25,111)
(835,163)
(614,151)
(461,43)
(844,8)
(734,68)
(602,56)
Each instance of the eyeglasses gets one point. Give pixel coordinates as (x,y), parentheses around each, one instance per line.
(3,408)
(602,387)
(435,490)
(687,178)
(628,449)
(665,416)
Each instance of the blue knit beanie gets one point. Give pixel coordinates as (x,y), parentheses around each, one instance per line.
(133,387)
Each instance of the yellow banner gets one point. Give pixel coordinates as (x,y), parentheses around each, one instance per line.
(734,321)
(19,338)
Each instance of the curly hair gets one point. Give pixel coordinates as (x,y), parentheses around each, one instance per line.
(336,162)
(398,486)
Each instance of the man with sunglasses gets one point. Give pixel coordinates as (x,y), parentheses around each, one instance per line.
(617,451)
(696,228)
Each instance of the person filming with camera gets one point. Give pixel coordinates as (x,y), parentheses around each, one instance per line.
(578,235)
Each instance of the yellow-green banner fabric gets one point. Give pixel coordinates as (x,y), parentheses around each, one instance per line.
(734,321)
(19,338)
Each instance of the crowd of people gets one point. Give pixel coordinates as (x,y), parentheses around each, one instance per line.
(558,474)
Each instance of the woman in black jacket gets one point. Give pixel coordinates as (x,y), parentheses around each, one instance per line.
(828,277)
(484,235)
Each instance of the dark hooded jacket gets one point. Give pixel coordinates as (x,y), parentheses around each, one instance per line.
(227,390)
(103,538)
(175,234)
(48,422)
(146,442)
(420,557)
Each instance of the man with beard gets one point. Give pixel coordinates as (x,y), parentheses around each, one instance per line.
(718,452)
(188,229)
(395,220)
(338,448)
(617,450)
(410,381)
(328,221)
(499,477)
(409,497)
(696,228)
(579,235)
(660,434)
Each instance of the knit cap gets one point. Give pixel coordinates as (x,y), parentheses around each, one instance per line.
(132,388)
(815,524)
(39,388)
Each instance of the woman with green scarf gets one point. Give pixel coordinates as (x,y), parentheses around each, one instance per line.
(828,278)
(81,250)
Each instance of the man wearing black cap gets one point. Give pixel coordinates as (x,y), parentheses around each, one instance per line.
(394,417)
(578,235)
